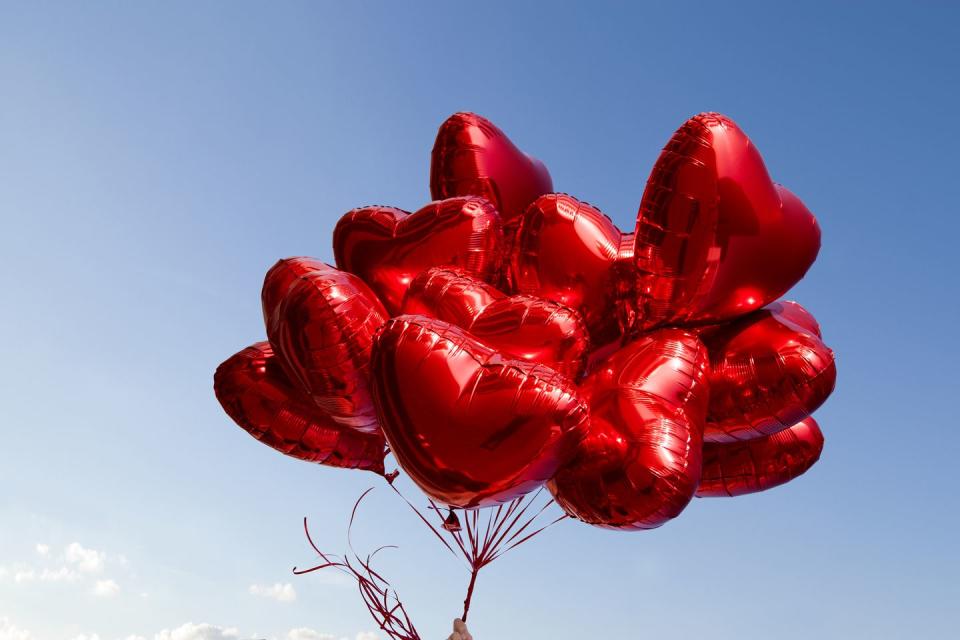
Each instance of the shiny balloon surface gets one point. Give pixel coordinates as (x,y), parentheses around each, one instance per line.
(523,327)
(469,426)
(794,313)
(255,392)
(472,157)
(278,281)
(321,323)
(538,343)
(715,238)
(388,247)
(738,468)
(640,463)
(768,372)
(570,252)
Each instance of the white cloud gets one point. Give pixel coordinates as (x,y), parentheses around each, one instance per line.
(305,633)
(24,575)
(106,588)
(9,631)
(191,631)
(74,564)
(29,574)
(60,574)
(87,560)
(279,592)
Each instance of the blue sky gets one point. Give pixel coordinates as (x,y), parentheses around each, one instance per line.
(156,159)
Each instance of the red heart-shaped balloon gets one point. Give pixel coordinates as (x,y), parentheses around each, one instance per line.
(640,463)
(570,252)
(794,313)
(715,238)
(736,468)
(320,322)
(522,327)
(257,395)
(388,247)
(769,370)
(469,426)
(472,157)
(277,283)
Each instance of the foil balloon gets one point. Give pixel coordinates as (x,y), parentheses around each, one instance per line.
(321,322)
(471,156)
(640,463)
(505,336)
(769,370)
(523,327)
(278,281)
(255,392)
(388,247)
(794,313)
(469,426)
(570,252)
(737,468)
(715,238)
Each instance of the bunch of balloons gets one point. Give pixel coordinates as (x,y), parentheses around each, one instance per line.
(504,336)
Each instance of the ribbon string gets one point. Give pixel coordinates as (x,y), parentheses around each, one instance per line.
(485,535)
